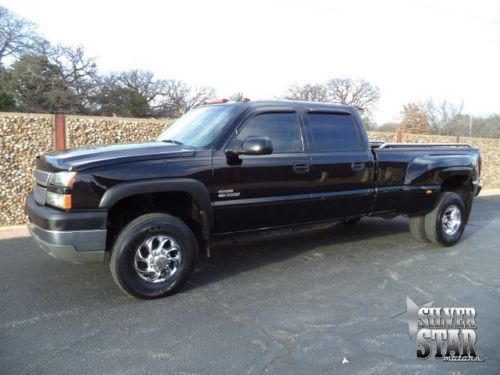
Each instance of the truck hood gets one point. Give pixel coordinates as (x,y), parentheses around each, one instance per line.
(90,157)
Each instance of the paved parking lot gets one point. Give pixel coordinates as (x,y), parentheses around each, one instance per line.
(294,304)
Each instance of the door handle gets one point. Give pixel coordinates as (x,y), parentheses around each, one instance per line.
(358,166)
(301,168)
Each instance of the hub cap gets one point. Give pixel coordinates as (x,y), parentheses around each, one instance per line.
(157,259)
(451,220)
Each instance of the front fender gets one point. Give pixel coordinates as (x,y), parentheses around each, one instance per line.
(193,187)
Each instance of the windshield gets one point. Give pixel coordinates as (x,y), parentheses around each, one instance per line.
(200,126)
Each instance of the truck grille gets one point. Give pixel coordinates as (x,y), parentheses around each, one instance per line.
(40,194)
(42,177)
(40,190)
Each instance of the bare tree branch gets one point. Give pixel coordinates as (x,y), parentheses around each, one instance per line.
(358,93)
(18,36)
(308,92)
(442,116)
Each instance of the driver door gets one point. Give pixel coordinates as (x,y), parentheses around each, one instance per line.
(264,190)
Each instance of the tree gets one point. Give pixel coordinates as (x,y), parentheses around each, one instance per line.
(366,121)
(414,119)
(358,93)
(237,96)
(144,82)
(442,116)
(176,98)
(150,96)
(122,101)
(486,126)
(18,37)
(7,102)
(165,97)
(115,99)
(307,92)
(38,85)
(38,77)
(196,96)
(79,73)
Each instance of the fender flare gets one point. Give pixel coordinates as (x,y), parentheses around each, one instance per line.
(456,172)
(436,168)
(185,185)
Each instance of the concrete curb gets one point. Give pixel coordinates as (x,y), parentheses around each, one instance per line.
(17,231)
(485,193)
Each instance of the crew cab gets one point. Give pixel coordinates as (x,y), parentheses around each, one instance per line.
(232,167)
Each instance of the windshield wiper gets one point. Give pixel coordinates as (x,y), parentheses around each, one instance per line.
(172,141)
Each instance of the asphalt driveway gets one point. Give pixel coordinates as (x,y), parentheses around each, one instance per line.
(292,304)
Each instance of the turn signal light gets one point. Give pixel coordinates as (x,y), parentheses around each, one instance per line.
(59,200)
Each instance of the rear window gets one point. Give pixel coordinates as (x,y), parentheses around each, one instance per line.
(333,132)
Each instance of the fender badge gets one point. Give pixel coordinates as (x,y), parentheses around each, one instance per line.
(227,193)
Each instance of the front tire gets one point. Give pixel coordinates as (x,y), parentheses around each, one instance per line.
(153,256)
(445,224)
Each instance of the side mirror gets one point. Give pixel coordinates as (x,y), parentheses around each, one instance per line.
(252,145)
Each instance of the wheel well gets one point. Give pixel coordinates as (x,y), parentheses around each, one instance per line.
(458,184)
(462,185)
(179,204)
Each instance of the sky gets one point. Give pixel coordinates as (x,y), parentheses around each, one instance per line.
(411,50)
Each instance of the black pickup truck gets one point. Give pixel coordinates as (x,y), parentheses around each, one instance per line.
(231,167)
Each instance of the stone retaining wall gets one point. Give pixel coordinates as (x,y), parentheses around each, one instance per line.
(26,135)
(90,131)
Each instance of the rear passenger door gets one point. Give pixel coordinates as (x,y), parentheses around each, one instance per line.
(342,166)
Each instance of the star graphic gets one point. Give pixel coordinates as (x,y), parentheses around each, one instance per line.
(410,316)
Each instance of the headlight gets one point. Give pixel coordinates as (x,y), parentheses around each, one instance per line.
(63,179)
(59,200)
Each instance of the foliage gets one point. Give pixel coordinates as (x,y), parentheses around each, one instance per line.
(358,93)
(237,96)
(307,92)
(36,76)
(37,85)
(7,102)
(414,119)
(442,116)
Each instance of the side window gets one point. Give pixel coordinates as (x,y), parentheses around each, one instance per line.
(333,132)
(282,128)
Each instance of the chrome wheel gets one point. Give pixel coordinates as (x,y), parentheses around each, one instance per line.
(157,259)
(451,220)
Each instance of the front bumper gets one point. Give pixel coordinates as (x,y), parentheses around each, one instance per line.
(77,237)
(478,189)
